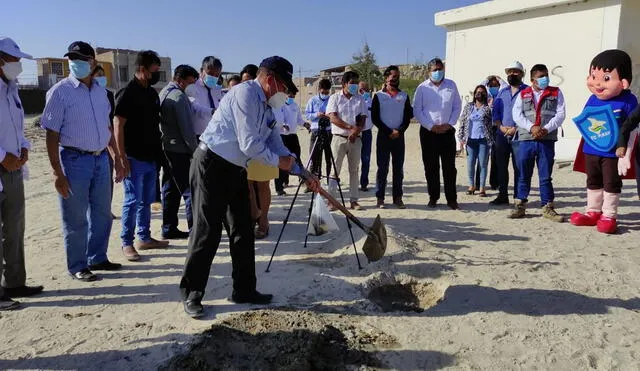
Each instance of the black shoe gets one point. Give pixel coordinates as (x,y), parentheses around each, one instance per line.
(105,266)
(500,200)
(453,205)
(253,298)
(364,189)
(6,303)
(281,193)
(175,234)
(193,305)
(84,275)
(432,203)
(23,291)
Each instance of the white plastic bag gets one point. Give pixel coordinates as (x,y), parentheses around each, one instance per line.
(321,221)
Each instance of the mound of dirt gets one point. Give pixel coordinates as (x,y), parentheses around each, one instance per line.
(283,340)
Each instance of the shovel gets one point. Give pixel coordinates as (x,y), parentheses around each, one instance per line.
(376,244)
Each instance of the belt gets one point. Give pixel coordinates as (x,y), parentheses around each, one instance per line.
(92,153)
(345,136)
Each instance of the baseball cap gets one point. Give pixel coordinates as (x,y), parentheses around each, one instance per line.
(80,50)
(7,45)
(283,68)
(515,65)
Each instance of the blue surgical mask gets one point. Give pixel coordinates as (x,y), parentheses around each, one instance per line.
(437,76)
(366,95)
(101,80)
(210,81)
(289,100)
(324,96)
(79,69)
(543,82)
(352,89)
(494,91)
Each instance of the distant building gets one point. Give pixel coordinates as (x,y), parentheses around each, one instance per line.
(563,34)
(124,67)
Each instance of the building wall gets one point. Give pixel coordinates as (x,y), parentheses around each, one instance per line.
(575,33)
(629,38)
(124,67)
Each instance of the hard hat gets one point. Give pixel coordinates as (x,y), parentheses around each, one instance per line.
(515,65)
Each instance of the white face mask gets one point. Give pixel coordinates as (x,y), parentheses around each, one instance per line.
(11,70)
(278,100)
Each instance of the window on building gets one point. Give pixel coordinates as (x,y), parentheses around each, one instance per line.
(57,68)
(163,76)
(124,73)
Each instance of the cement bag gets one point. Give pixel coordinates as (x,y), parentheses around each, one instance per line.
(321,221)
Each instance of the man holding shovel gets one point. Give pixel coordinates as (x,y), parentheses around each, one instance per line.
(243,128)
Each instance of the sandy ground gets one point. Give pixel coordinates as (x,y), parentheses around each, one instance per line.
(490,293)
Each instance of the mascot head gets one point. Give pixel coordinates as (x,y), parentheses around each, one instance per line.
(610,73)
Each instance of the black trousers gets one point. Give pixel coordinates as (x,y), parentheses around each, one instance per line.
(316,156)
(215,202)
(437,148)
(292,142)
(175,186)
(602,172)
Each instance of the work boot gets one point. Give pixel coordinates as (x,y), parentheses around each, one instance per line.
(520,210)
(550,213)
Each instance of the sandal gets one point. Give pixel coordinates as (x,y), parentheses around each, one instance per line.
(471,191)
(482,194)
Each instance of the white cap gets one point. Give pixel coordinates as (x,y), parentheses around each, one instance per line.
(515,65)
(10,47)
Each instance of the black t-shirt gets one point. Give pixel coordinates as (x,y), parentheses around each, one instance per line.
(141,107)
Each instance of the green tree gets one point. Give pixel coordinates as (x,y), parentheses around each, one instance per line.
(364,62)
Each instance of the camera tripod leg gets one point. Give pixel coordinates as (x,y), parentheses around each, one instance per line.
(284,224)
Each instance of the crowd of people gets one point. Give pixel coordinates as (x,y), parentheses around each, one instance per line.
(196,133)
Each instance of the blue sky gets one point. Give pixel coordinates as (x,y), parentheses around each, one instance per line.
(311,34)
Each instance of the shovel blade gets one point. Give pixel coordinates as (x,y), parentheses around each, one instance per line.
(376,243)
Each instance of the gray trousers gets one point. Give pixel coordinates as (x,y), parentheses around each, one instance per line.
(13,271)
(341,147)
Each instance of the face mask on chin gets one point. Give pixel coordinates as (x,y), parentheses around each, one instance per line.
(11,70)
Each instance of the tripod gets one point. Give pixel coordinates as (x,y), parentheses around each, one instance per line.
(321,144)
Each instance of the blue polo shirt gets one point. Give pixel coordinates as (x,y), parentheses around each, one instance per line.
(622,106)
(503,105)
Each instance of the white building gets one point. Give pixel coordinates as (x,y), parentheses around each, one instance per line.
(563,34)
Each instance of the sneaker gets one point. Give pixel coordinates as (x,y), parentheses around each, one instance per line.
(380,204)
(6,303)
(130,253)
(355,205)
(151,243)
(22,291)
(520,210)
(500,200)
(398,202)
(105,266)
(550,213)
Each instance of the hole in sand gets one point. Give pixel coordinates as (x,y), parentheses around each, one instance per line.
(403,293)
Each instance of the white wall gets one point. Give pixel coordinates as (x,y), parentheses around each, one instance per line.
(565,37)
(630,38)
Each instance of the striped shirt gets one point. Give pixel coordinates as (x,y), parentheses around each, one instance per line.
(12,139)
(79,114)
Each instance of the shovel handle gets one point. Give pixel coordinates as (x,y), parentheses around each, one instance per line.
(305,175)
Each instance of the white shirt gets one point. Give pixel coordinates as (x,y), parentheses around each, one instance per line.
(12,138)
(347,109)
(553,124)
(292,118)
(436,105)
(199,94)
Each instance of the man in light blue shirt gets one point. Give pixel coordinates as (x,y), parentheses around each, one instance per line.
(76,117)
(243,128)
(315,111)
(437,106)
(14,153)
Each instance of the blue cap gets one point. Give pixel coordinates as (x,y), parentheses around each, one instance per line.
(283,69)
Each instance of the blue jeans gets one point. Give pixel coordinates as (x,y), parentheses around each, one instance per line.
(477,152)
(505,149)
(539,153)
(365,157)
(389,149)
(86,214)
(139,194)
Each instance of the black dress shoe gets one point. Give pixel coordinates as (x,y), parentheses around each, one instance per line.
(432,203)
(193,305)
(6,303)
(84,275)
(253,298)
(105,266)
(500,200)
(175,234)
(453,205)
(23,291)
